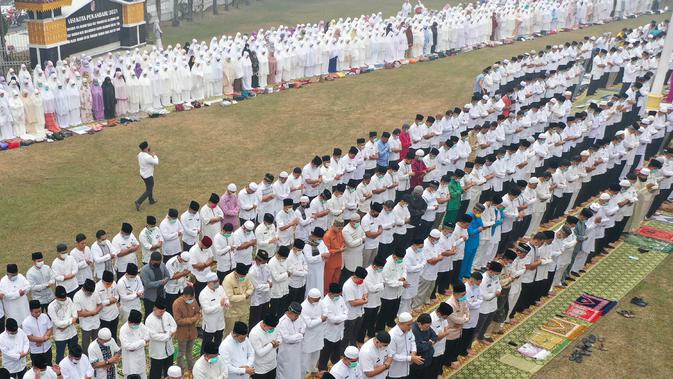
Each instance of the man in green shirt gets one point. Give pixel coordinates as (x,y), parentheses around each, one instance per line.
(456,193)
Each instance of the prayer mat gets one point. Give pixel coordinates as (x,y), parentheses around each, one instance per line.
(595,302)
(657,234)
(546,340)
(521,363)
(583,313)
(80,130)
(531,351)
(649,243)
(564,328)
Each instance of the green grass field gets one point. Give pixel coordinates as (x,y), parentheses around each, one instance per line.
(50,192)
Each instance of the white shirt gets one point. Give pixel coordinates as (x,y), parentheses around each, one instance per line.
(336,312)
(133,342)
(191,224)
(265,353)
(206,214)
(61,315)
(87,303)
(101,257)
(14,304)
(110,311)
(11,348)
(206,370)
(297,268)
(170,233)
(223,251)
(96,356)
(401,346)
(371,357)
(161,330)
(212,309)
(70,370)
(279,277)
(84,259)
(119,243)
(147,162)
(353,291)
(175,265)
(196,256)
(128,290)
(341,371)
(37,327)
(235,354)
(68,266)
(47,374)
(315,326)
(260,277)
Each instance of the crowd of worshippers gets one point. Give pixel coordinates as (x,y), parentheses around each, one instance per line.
(79,90)
(322,268)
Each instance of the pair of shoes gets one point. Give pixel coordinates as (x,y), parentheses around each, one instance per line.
(639,301)
(575,274)
(153,202)
(626,313)
(137,206)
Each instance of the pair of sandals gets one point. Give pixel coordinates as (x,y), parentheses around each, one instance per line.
(626,313)
(639,301)
(585,348)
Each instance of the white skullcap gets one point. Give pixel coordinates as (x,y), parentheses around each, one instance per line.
(567,93)
(404,317)
(542,136)
(351,352)
(645,171)
(174,371)
(585,153)
(625,183)
(533,180)
(283,174)
(231,187)
(530,139)
(468,106)
(646,121)
(604,196)
(619,133)
(249,225)
(211,277)
(485,97)
(253,186)
(553,101)
(185,256)
(355,217)
(303,198)
(435,233)
(105,334)
(592,38)
(522,83)
(595,207)
(603,103)
(419,153)
(314,293)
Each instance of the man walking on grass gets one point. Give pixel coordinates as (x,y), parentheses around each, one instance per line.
(147,160)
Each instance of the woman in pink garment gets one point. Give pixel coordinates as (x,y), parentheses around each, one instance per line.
(230,206)
(669,97)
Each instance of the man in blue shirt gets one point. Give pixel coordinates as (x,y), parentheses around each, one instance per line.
(383,149)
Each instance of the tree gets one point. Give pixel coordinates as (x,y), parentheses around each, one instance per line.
(176,13)
(215,6)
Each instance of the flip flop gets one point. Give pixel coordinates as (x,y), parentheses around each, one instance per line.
(639,301)
(625,313)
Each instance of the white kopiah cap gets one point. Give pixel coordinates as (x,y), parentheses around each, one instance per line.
(231,187)
(185,256)
(249,225)
(174,371)
(404,317)
(435,233)
(351,352)
(314,293)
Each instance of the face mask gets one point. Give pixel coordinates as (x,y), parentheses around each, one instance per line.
(379,270)
(135,327)
(241,279)
(39,264)
(226,234)
(13,278)
(335,298)
(172,221)
(155,265)
(353,365)
(212,206)
(464,298)
(75,361)
(359,281)
(357,225)
(212,360)
(271,330)
(62,255)
(216,286)
(419,251)
(189,301)
(126,236)
(399,261)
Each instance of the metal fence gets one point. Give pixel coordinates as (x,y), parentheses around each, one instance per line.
(14,50)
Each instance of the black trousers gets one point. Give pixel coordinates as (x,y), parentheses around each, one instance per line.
(149,306)
(330,352)
(46,355)
(658,200)
(368,327)
(451,350)
(454,274)
(465,341)
(269,375)
(279,305)
(385,249)
(351,331)
(149,189)
(17,375)
(222,274)
(388,313)
(296,294)
(215,337)
(198,287)
(170,298)
(112,325)
(526,298)
(257,313)
(483,323)
(443,281)
(159,367)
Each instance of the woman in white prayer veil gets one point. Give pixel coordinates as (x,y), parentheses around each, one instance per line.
(34,114)
(197,80)
(217,73)
(185,80)
(133,88)
(208,78)
(85,101)
(228,74)
(73,103)
(18,115)
(147,96)
(38,77)
(6,121)
(263,59)
(247,72)
(24,75)
(165,88)
(157,87)
(62,106)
